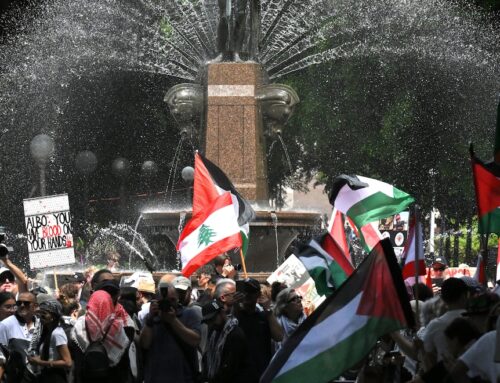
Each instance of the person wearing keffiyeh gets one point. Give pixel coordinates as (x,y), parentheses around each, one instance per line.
(104,319)
(225,358)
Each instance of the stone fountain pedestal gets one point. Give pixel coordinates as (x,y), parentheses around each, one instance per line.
(234,138)
(238,107)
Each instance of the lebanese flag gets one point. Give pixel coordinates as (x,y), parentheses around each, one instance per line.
(487,186)
(480,274)
(414,247)
(337,232)
(347,325)
(366,200)
(209,183)
(211,232)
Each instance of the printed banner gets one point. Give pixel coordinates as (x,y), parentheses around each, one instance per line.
(395,228)
(50,235)
(293,274)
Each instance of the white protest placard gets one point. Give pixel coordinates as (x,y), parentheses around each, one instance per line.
(50,235)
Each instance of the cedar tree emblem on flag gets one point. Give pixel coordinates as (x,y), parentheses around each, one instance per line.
(205,235)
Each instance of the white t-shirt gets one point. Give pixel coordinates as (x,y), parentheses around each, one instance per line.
(144,311)
(11,328)
(479,358)
(58,338)
(434,338)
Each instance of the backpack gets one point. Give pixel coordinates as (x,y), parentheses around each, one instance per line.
(95,364)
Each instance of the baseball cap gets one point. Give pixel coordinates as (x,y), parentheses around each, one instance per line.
(251,285)
(74,278)
(8,274)
(439,262)
(181,283)
(210,310)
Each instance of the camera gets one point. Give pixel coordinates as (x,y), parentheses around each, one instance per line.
(238,267)
(164,305)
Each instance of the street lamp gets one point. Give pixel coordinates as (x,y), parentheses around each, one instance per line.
(149,169)
(187,175)
(86,163)
(42,147)
(121,169)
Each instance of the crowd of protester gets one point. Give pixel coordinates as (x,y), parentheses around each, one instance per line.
(216,327)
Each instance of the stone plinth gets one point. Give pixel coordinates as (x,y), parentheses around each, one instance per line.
(234,135)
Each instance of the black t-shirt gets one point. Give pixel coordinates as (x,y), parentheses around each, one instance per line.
(258,333)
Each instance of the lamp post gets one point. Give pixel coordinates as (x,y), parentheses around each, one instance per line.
(86,163)
(121,169)
(187,175)
(149,169)
(42,147)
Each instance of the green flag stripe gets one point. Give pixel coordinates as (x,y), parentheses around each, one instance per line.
(490,223)
(377,206)
(341,356)
(245,241)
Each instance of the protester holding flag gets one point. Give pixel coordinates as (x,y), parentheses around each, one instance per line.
(289,312)
(370,304)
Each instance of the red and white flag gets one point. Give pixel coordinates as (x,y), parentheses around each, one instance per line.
(414,249)
(209,233)
(337,232)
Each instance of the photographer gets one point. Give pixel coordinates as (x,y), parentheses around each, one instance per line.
(259,325)
(170,337)
(12,279)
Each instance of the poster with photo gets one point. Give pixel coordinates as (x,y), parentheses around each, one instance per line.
(395,228)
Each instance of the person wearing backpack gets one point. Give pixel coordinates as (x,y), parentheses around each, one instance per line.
(52,349)
(102,339)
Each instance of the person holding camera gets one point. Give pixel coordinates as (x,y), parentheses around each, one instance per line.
(170,338)
(12,279)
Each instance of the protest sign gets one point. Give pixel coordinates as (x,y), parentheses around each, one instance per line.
(293,274)
(50,235)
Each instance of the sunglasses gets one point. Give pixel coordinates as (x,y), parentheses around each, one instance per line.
(296,298)
(23,303)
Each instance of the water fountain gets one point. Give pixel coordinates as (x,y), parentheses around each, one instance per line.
(67,47)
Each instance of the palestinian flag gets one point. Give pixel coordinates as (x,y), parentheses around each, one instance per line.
(337,232)
(209,233)
(414,252)
(366,200)
(210,182)
(326,264)
(345,327)
(487,185)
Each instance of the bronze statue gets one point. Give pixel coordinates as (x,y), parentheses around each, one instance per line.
(232,27)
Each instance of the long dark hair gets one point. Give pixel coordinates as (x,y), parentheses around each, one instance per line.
(47,331)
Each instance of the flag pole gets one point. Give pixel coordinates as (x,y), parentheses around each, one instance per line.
(417,256)
(243,264)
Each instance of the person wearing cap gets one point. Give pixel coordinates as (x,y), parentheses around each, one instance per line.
(259,325)
(12,279)
(454,293)
(144,283)
(170,337)
(52,351)
(225,358)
